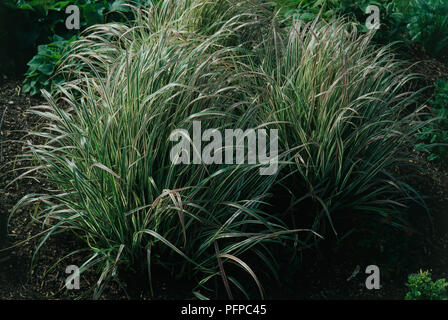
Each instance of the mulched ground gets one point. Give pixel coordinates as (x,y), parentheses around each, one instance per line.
(322,275)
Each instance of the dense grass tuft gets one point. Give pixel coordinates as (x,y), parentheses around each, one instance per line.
(338,104)
(343,116)
(107,152)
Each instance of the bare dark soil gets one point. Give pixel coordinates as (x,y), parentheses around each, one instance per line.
(321,274)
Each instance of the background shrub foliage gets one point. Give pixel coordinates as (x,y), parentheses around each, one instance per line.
(422,287)
(433,138)
(26,24)
(44,64)
(422,22)
(339,104)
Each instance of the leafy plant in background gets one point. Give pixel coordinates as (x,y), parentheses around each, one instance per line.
(44,64)
(307,10)
(20,30)
(428,25)
(434,136)
(402,21)
(422,287)
(392,19)
(26,24)
(91,11)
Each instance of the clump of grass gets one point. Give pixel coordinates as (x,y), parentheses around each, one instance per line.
(342,114)
(338,104)
(107,153)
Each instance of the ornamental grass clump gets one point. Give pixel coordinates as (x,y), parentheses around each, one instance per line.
(107,155)
(342,112)
(339,105)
